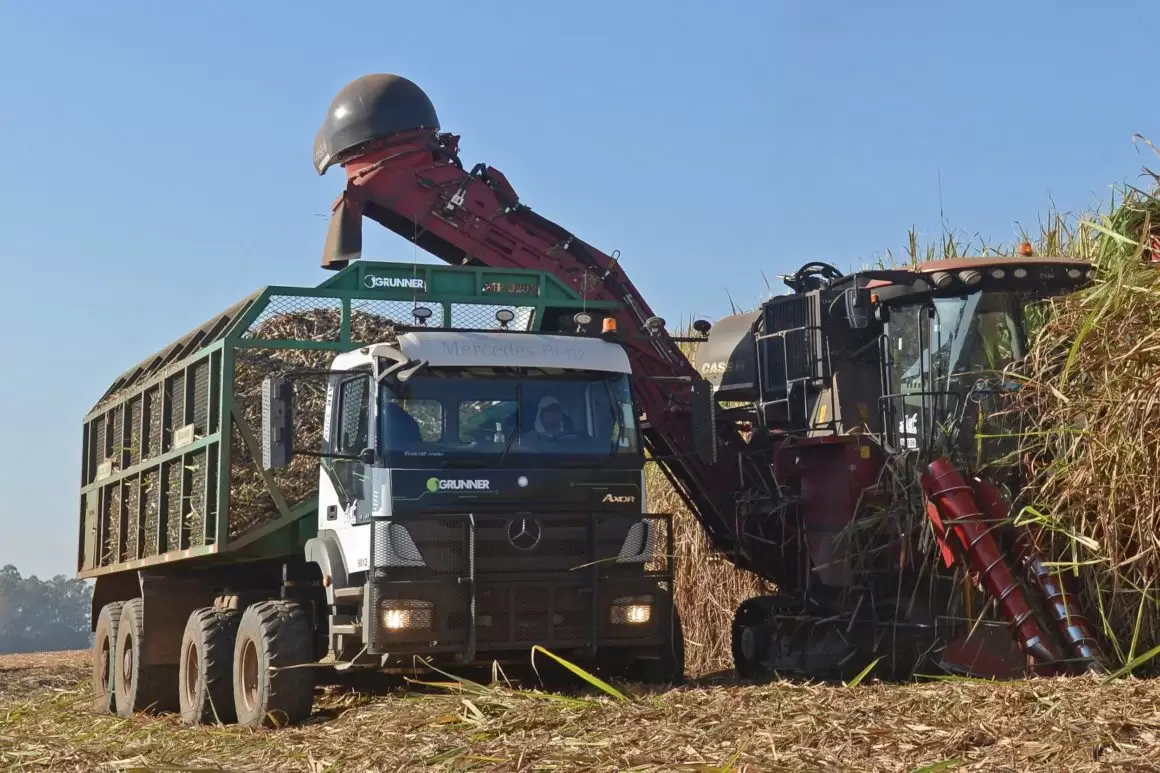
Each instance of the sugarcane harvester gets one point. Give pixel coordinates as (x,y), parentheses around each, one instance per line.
(805,436)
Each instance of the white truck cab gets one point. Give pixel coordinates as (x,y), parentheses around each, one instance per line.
(482,492)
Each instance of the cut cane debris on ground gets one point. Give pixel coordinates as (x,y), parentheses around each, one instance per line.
(1077,724)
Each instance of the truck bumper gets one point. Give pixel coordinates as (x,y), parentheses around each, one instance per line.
(606,596)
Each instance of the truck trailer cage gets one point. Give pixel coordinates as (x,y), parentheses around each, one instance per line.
(171,462)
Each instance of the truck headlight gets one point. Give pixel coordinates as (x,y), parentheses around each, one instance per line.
(631,610)
(406,615)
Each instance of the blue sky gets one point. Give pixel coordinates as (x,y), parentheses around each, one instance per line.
(157,162)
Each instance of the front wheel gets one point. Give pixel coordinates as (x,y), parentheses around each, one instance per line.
(669,667)
(273,637)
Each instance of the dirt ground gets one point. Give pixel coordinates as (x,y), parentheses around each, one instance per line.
(1049,725)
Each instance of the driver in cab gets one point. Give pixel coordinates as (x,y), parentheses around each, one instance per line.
(552,422)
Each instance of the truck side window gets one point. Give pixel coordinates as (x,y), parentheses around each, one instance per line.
(353,415)
(351,437)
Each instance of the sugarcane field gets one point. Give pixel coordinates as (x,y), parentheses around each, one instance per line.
(736,389)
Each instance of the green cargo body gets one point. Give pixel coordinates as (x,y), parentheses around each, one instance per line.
(170,463)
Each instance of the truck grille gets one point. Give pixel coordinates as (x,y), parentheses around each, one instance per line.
(503,543)
(490,591)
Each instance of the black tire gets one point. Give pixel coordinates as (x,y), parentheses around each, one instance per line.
(139,687)
(278,635)
(104,658)
(752,639)
(669,667)
(205,674)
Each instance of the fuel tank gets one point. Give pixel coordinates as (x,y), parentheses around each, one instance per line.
(728,359)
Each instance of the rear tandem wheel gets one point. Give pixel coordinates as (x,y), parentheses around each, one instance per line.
(104,659)
(139,686)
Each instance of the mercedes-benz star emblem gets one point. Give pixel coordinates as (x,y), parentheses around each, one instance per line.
(524,533)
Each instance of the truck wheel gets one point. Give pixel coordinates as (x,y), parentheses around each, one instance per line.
(205,676)
(139,687)
(104,662)
(669,666)
(273,635)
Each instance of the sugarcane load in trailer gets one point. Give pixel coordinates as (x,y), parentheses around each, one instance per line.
(403,462)
(825,441)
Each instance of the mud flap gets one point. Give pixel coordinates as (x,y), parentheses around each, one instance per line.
(167,603)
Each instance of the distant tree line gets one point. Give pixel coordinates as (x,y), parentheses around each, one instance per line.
(43,615)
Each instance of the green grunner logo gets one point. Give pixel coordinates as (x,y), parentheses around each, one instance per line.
(435,485)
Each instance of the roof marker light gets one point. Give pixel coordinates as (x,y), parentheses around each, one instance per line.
(941,279)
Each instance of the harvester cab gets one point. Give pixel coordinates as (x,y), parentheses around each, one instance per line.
(899,353)
(952,341)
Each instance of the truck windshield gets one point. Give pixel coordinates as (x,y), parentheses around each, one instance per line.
(481,414)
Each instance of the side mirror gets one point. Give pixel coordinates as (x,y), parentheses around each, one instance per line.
(412,369)
(277,422)
(367,457)
(859,307)
(704,421)
(399,372)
